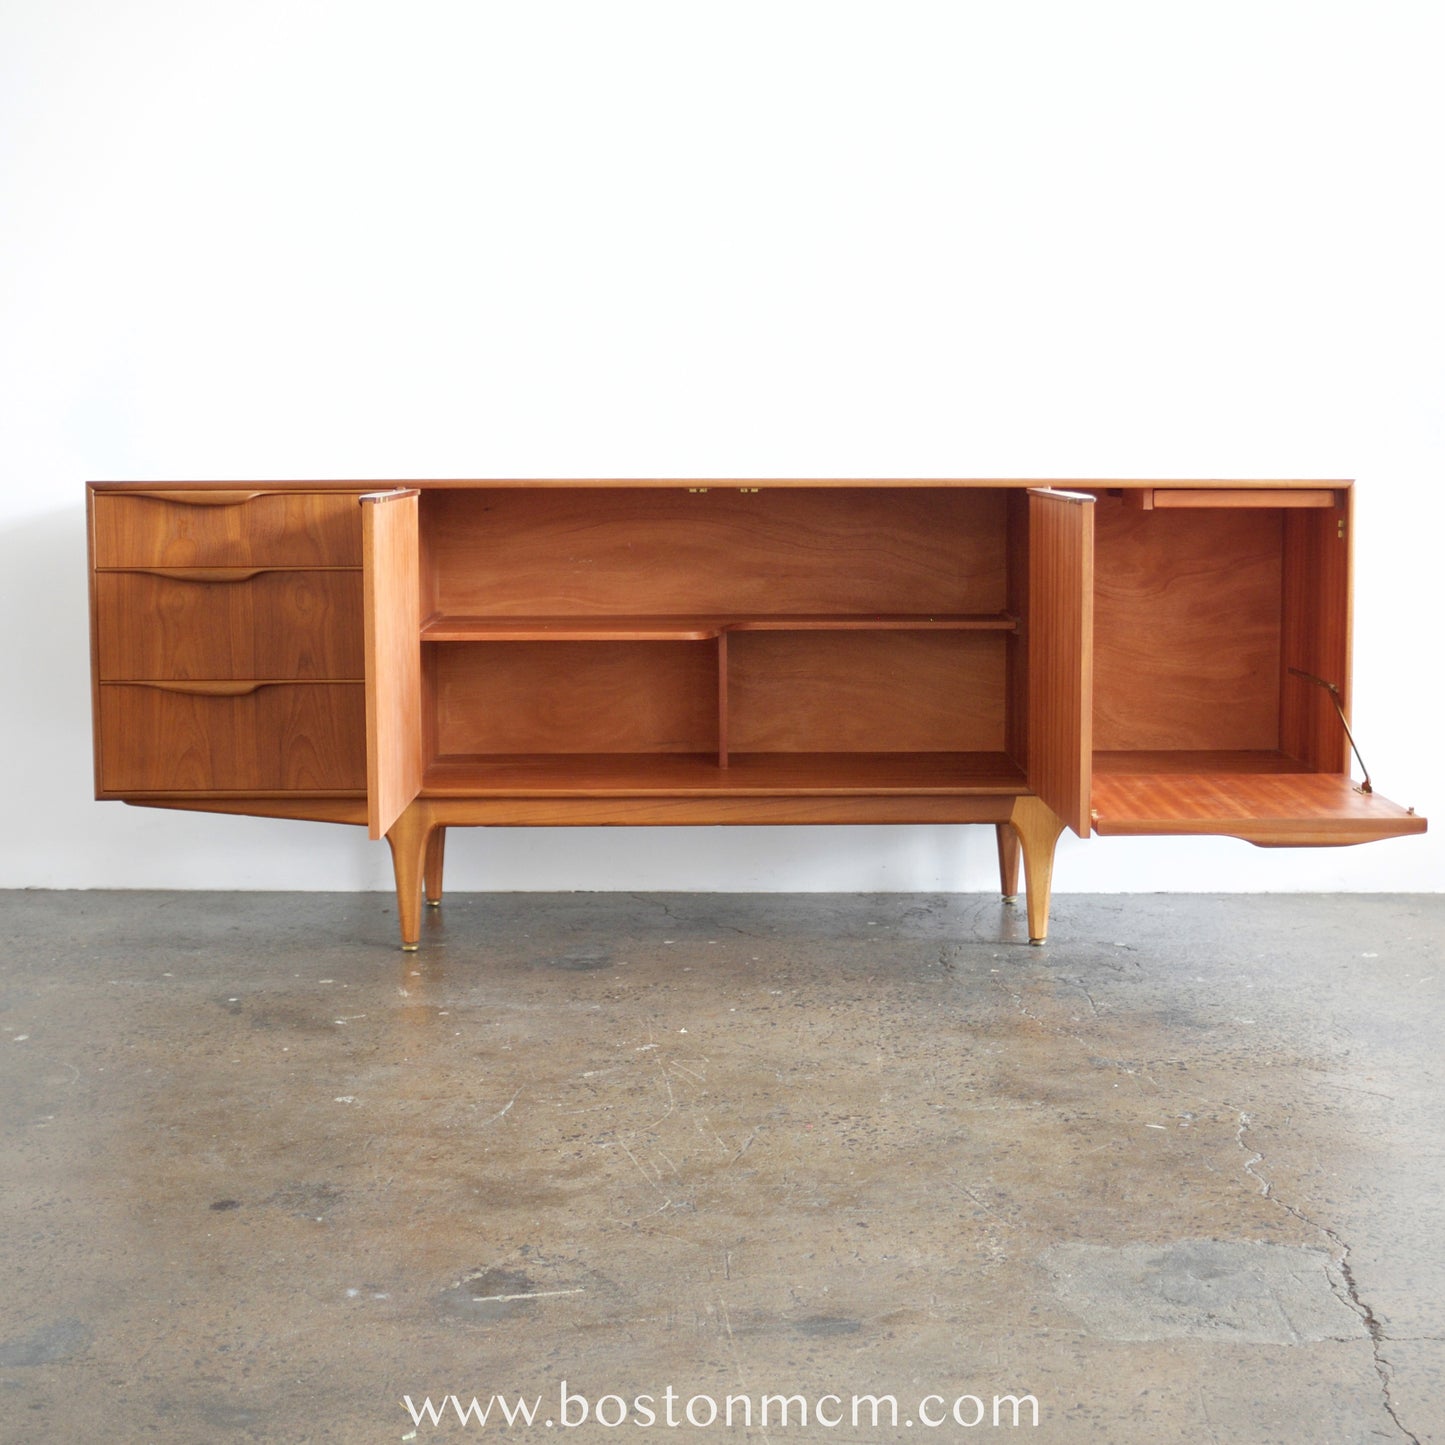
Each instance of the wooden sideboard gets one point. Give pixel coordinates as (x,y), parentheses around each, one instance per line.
(1116,658)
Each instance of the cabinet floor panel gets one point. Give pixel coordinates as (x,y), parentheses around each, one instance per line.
(1279,806)
(698,775)
(1146,763)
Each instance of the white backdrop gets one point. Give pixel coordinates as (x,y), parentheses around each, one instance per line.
(377,239)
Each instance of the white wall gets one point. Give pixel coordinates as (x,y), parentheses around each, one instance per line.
(763,237)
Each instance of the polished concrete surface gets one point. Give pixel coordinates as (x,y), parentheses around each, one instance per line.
(1177,1175)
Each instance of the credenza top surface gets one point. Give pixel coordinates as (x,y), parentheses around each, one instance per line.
(385,484)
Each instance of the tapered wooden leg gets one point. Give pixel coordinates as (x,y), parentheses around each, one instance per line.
(1008,862)
(1038,828)
(435,853)
(408,838)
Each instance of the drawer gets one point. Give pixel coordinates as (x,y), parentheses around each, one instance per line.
(222,623)
(232,737)
(182,528)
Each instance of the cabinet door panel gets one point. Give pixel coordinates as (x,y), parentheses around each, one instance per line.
(193,529)
(393,655)
(269,624)
(293,737)
(1060,652)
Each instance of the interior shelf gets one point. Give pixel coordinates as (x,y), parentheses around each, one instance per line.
(698,628)
(699,774)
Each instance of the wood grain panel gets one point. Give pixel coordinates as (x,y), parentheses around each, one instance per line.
(1016,653)
(1255,760)
(717,810)
(1316,627)
(1187,628)
(664,626)
(576,697)
(392,607)
(1198,498)
(870,692)
(275,529)
(302,737)
(311,807)
(1279,809)
(720,551)
(270,624)
(751,775)
(1060,652)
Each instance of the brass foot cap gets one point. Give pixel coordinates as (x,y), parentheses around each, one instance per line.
(410,947)
(433,903)
(1010,898)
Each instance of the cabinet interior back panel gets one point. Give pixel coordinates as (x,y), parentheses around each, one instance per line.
(872,692)
(632,551)
(1187,626)
(575,697)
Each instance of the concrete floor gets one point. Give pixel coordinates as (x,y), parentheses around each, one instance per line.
(1178,1175)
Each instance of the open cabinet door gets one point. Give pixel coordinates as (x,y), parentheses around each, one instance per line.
(390,560)
(1061,652)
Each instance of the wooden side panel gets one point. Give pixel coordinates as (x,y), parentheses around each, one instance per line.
(870,692)
(717,551)
(97,764)
(576,697)
(1061,657)
(274,529)
(392,589)
(294,737)
(1187,628)
(1316,627)
(271,624)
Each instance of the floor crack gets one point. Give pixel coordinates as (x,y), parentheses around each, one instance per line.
(656,902)
(1351,1296)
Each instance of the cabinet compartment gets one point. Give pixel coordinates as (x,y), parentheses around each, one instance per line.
(181,528)
(574,697)
(716,551)
(229,624)
(1215,628)
(717,640)
(869,692)
(216,737)
(1187,629)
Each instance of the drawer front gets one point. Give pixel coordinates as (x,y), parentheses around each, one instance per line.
(227,529)
(291,737)
(229,624)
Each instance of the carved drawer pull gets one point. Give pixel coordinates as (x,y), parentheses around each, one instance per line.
(202,574)
(200,499)
(207,689)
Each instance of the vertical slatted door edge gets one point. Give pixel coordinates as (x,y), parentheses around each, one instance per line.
(392,600)
(1061,652)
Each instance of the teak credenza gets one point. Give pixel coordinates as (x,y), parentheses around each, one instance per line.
(1116,658)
